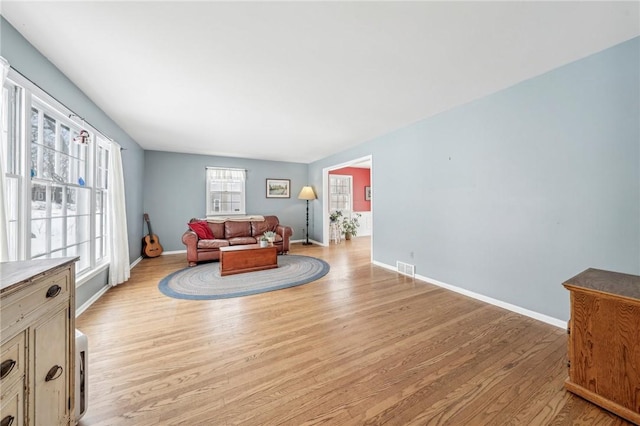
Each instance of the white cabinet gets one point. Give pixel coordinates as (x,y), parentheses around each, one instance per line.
(37,325)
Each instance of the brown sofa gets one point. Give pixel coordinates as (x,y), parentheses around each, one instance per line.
(231,233)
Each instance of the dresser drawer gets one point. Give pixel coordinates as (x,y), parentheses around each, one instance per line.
(45,291)
(12,360)
(12,405)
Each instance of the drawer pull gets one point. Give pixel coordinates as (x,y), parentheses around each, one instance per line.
(54,373)
(7,421)
(6,367)
(53,291)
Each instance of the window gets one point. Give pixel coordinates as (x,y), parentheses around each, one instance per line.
(340,193)
(225,191)
(57,188)
(101,213)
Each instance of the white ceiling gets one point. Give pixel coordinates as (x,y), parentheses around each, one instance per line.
(297,81)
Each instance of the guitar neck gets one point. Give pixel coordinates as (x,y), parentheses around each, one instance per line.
(146,219)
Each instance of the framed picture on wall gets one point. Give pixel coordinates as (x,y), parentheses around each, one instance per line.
(278,188)
(367,193)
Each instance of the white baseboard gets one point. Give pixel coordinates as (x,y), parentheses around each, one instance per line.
(91,301)
(310,240)
(508,306)
(135,262)
(173,252)
(102,291)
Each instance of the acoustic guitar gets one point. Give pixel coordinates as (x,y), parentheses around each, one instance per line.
(150,243)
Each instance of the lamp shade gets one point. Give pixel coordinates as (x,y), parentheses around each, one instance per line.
(307,193)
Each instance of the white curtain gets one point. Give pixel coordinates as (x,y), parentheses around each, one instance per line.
(4,220)
(119,270)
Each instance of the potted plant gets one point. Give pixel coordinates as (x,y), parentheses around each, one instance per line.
(335,216)
(264,242)
(350,226)
(270,236)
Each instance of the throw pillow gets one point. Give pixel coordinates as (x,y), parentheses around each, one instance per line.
(201,229)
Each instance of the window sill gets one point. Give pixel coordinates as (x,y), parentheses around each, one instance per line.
(88,276)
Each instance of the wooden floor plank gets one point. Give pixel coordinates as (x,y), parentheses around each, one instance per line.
(362,345)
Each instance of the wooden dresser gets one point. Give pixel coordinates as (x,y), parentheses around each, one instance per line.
(37,332)
(604,341)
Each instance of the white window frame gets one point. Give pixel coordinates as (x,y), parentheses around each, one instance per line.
(342,201)
(12,150)
(32,95)
(225,191)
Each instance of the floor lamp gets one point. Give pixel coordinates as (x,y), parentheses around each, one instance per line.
(307,194)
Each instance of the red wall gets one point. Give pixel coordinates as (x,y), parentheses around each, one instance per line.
(361,178)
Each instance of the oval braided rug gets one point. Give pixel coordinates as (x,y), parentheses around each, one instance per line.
(204,282)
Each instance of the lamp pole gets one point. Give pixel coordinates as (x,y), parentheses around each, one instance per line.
(307,194)
(307,242)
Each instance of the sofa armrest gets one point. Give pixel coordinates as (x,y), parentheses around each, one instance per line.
(190,239)
(285,232)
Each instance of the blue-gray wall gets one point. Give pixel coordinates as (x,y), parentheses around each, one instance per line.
(175,192)
(510,195)
(507,196)
(32,64)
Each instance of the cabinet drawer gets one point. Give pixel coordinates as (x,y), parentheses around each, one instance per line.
(12,405)
(12,360)
(45,291)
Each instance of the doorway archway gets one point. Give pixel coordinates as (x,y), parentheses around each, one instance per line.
(359,205)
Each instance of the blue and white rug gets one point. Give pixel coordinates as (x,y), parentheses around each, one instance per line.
(203,282)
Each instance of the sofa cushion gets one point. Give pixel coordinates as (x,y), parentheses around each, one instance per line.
(259,228)
(217,229)
(212,244)
(201,228)
(237,229)
(270,223)
(238,241)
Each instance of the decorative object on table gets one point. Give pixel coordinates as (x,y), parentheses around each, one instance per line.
(350,226)
(264,242)
(278,188)
(204,282)
(270,236)
(367,193)
(307,194)
(151,246)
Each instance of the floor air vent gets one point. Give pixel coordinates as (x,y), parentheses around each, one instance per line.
(406,269)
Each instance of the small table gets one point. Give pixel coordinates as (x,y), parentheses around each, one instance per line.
(247,258)
(335,232)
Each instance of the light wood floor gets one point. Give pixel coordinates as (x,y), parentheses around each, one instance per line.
(363,345)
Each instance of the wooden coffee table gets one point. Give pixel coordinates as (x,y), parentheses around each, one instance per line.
(247,258)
